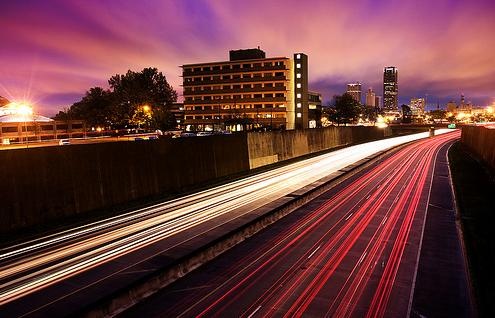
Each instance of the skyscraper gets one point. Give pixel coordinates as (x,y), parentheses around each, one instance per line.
(390,89)
(370,97)
(354,89)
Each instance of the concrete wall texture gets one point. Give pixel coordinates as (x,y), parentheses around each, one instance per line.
(270,147)
(40,185)
(481,141)
(46,184)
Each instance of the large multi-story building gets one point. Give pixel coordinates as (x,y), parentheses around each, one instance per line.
(390,89)
(247,92)
(354,89)
(370,98)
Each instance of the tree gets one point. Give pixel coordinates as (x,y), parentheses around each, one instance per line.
(406,114)
(95,108)
(134,90)
(346,109)
(370,113)
(438,114)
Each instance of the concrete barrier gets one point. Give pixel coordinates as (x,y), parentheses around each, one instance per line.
(49,186)
(274,146)
(481,141)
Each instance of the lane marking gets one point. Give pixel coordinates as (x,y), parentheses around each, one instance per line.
(347,218)
(313,253)
(254,312)
(362,257)
(384,220)
(368,197)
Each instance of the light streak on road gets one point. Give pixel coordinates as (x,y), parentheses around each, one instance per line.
(347,256)
(33,265)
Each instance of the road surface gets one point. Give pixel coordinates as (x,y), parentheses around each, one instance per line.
(64,272)
(353,252)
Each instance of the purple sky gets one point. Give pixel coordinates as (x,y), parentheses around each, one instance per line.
(52,51)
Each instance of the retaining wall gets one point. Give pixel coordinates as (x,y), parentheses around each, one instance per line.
(270,147)
(481,141)
(40,186)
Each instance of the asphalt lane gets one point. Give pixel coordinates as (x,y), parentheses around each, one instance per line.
(352,252)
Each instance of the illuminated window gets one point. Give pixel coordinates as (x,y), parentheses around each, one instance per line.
(299,115)
(298,75)
(298,56)
(298,65)
(298,105)
(298,95)
(298,85)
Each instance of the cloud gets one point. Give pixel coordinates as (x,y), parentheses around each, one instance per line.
(53,49)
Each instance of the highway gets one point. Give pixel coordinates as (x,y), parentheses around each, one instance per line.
(353,252)
(37,268)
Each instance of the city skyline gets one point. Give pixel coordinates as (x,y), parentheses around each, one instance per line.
(54,51)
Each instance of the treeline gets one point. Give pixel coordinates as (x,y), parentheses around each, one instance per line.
(346,110)
(135,99)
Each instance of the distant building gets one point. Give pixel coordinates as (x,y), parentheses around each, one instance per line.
(378,101)
(417,109)
(390,89)
(314,109)
(250,91)
(370,98)
(417,103)
(19,124)
(354,89)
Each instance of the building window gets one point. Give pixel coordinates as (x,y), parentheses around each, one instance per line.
(268,84)
(298,75)
(246,65)
(226,67)
(299,115)
(246,86)
(298,105)
(298,65)
(236,66)
(298,95)
(268,95)
(246,75)
(226,77)
(298,85)
(267,64)
(298,56)
(279,95)
(257,95)
(279,74)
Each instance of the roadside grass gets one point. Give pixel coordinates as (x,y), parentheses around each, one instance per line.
(475,194)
